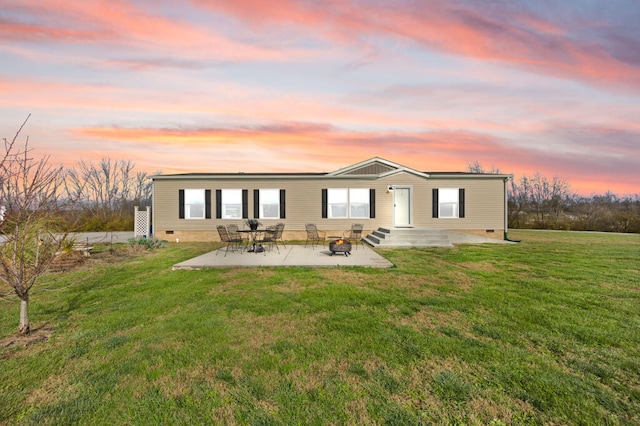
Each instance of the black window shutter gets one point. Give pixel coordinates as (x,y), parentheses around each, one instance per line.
(461,202)
(256,203)
(207,204)
(181,204)
(324,203)
(434,205)
(282,204)
(218,203)
(372,203)
(245,204)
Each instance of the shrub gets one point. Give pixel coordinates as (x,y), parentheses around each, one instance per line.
(149,243)
(67,244)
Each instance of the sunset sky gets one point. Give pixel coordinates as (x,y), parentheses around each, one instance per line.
(267,86)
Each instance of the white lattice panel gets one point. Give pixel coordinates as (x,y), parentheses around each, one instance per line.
(142,222)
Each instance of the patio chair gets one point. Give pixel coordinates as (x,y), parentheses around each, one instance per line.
(233,244)
(268,238)
(313,235)
(234,234)
(280,227)
(355,234)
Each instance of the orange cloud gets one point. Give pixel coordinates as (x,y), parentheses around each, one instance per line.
(314,147)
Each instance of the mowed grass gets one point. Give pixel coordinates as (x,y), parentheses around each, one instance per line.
(542,332)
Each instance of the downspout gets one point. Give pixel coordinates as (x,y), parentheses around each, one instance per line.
(506,213)
(153,207)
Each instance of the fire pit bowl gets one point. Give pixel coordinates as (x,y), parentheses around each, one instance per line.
(340,245)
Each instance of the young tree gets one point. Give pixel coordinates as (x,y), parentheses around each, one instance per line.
(31,192)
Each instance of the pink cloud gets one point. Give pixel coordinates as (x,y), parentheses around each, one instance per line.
(517,38)
(35,32)
(127,24)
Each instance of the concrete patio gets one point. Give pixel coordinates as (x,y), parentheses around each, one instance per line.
(292,255)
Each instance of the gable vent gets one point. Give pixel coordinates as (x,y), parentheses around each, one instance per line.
(372,169)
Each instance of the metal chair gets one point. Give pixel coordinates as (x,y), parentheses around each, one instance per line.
(268,238)
(313,235)
(232,243)
(355,234)
(280,229)
(235,234)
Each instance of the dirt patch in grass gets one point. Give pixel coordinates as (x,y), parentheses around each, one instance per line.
(262,330)
(67,261)
(37,335)
(479,266)
(428,318)
(339,276)
(477,406)
(418,286)
(239,278)
(49,391)
(76,260)
(486,410)
(233,274)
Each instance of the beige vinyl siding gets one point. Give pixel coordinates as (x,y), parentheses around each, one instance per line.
(484,204)
(484,201)
(303,202)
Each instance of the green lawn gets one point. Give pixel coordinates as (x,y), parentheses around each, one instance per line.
(542,332)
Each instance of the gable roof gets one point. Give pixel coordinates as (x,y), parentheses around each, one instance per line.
(376,166)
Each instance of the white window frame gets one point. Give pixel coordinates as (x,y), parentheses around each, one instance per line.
(449,203)
(337,197)
(348,198)
(270,197)
(356,198)
(231,199)
(194,203)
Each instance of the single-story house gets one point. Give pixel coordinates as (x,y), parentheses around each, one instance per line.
(376,193)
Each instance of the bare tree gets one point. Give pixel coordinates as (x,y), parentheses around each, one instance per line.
(110,190)
(32,194)
(477,167)
(518,201)
(544,199)
(105,185)
(548,196)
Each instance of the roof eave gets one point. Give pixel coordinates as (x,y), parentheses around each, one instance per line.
(243,176)
(470,176)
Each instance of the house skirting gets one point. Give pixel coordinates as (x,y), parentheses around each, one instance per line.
(212,235)
(497,234)
(293,235)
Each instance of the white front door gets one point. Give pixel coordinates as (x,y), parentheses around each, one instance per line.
(402,206)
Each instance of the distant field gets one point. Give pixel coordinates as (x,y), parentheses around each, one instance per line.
(541,332)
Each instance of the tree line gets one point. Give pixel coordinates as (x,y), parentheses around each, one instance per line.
(107,192)
(104,193)
(540,202)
